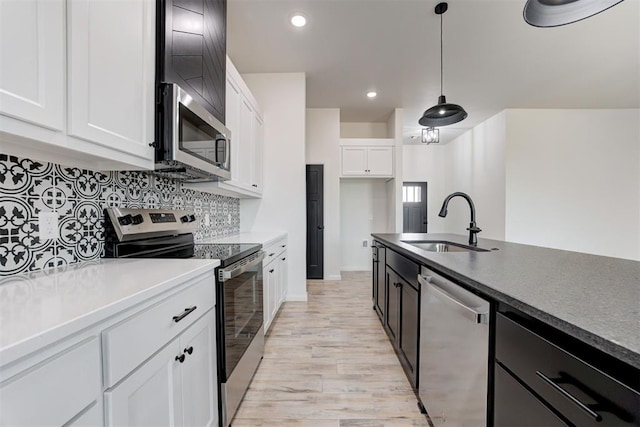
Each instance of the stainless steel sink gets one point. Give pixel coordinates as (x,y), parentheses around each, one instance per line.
(442,246)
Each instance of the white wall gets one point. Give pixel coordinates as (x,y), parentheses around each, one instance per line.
(473,163)
(573,180)
(394,186)
(282,97)
(566,179)
(363,210)
(363,130)
(323,147)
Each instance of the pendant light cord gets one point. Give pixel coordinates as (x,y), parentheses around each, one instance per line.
(441,60)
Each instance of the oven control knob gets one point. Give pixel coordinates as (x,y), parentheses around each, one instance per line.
(184,218)
(125,220)
(192,218)
(137,219)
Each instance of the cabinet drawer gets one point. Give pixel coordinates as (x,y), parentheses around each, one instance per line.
(581,393)
(54,391)
(515,406)
(274,250)
(406,268)
(135,339)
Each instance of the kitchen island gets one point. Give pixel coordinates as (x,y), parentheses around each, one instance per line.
(582,305)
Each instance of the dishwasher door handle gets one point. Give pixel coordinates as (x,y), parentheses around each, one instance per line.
(472,313)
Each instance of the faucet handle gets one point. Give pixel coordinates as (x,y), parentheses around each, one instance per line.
(474,228)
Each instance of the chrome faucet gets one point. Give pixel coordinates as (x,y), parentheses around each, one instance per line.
(473,228)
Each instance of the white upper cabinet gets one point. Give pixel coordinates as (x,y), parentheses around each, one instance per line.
(245,142)
(32,61)
(112,73)
(244,119)
(257,132)
(77,81)
(367,161)
(380,161)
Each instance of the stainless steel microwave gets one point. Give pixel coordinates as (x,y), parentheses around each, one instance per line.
(192,145)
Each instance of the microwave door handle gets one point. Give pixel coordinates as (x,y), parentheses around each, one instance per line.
(227,154)
(221,140)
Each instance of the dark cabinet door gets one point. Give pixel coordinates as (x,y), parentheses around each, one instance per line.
(409,329)
(392,320)
(192,50)
(402,322)
(515,406)
(380,297)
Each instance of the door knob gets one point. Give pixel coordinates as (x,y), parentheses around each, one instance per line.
(321,227)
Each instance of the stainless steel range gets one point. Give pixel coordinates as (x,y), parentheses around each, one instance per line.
(166,233)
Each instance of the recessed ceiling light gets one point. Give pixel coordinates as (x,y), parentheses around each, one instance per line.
(298,20)
(372,94)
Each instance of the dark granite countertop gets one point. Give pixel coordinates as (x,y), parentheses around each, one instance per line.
(593,298)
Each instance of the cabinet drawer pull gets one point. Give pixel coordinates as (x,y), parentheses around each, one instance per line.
(284,259)
(271,271)
(189,350)
(187,311)
(284,246)
(272,254)
(180,358)
(569,396)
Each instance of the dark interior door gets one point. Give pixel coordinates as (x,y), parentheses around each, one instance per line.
(414,207)
(315,222)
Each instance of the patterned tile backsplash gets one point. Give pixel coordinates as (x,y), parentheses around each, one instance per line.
(78,197)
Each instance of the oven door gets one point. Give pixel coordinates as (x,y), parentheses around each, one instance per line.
(241,313)
(194,137)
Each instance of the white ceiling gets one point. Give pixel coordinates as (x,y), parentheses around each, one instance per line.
(492,59)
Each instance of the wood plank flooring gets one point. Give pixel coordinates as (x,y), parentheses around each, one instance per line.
(328,363)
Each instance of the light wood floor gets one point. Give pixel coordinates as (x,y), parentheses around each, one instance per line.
(328,363)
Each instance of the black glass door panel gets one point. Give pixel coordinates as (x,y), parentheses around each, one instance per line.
(243,315)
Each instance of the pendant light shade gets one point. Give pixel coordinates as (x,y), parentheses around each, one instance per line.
(442,114)
(553,13)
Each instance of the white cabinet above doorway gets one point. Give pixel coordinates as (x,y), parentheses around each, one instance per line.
(370,158)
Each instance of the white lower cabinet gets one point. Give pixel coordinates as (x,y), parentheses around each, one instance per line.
(199,373)
(175,387)
(284,268)
(152,364)
(274,274)
(151,396)
(53,389)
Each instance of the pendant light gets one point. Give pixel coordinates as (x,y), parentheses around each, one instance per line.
(553,13)
(443,113)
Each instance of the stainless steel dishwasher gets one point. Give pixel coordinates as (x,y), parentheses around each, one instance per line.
(454,346)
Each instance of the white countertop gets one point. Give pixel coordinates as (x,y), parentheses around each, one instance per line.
(40,308)
(265,238)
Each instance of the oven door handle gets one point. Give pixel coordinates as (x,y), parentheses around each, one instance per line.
(241,266)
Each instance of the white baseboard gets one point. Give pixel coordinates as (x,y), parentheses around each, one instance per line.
(360,268)
(297,297)
(333,277)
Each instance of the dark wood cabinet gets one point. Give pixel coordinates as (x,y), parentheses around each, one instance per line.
(392,320)
(192,50)
(409,330)
(551,367)
(518,407)
(379,280)
(402,320)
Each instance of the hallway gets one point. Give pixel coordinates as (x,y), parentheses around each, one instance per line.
(328,363)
